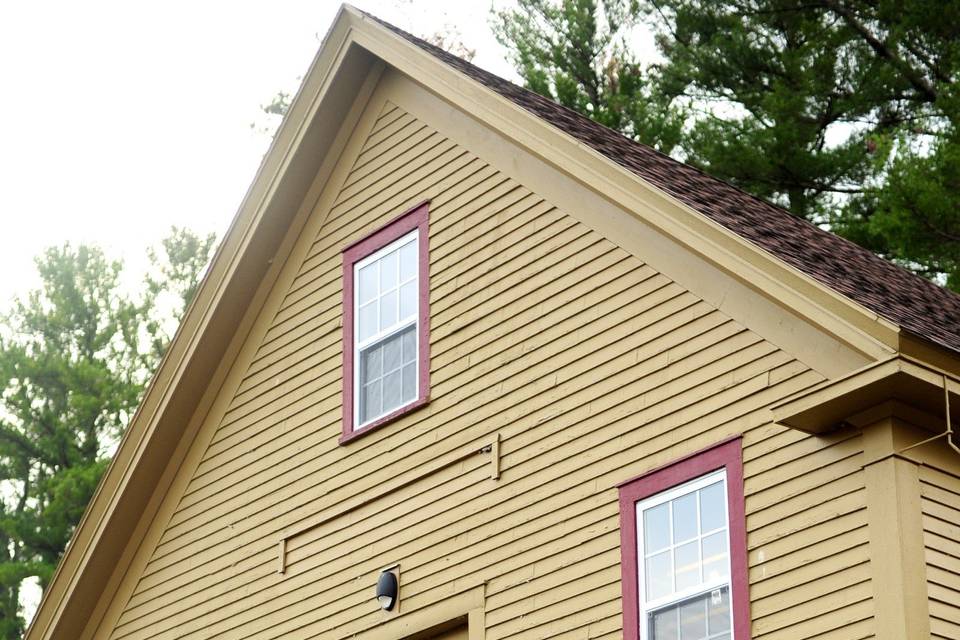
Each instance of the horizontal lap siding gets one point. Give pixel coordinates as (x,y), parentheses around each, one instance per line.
(807,536)
(940,500)
(590,365)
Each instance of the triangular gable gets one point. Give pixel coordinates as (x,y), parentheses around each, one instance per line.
(826,331)
(534,315)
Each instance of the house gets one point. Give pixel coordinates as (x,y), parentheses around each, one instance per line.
(468,365)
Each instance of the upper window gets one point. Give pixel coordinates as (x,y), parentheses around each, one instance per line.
(385,324)
(684,550)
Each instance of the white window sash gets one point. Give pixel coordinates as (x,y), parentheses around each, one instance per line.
(387,333)
(647,608)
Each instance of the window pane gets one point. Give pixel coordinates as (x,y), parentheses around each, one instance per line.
(658,576)
(664,625)
(370,401)
(391,391)
(718,611)
(713,511)
(693,619)
(410,345)
(687,565)
(409,382)
(388,310)
(368,283)
(408,300)
(702,617)
(388,271)
(391,354)
(656,528)
(684,518)
(408,260)
(715,565)
(367,323)
(370,364)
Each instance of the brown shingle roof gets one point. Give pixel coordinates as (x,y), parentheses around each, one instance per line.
(917,305)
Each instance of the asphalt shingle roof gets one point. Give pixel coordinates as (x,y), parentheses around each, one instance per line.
(917,305)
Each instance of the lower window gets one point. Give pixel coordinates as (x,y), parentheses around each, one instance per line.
(684,550)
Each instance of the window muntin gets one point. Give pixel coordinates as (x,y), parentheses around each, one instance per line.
(684,562)
(386,317)
(703,617)
(378,278)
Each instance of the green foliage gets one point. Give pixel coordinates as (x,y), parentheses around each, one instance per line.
(75,356)
(844,112)
(172,284)
(575,53)
(912,217)
(770,83)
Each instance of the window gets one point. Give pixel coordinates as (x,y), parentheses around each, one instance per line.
(683,549)
(385,324)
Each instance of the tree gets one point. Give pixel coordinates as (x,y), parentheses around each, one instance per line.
(844,112)
(576,54)
(75,356)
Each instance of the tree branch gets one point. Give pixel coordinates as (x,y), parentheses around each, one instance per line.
(884,50)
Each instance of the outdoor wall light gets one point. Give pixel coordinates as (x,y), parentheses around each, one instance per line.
(387,589)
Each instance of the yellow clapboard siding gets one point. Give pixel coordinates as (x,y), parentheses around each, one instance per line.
(452,176)
(785,555)
(400,138)
(853,560)
(386,131)
(830,580)
(805,501)
(574,354)
(940,504)
(591,367)
(941,626)
(860,630)
(222,593)
(851,603)
(219,463)
(472,187)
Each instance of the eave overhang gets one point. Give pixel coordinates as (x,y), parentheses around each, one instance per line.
(831,404)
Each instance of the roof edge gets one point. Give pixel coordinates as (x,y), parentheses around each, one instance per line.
(831,404)
(765,273)
(209,328)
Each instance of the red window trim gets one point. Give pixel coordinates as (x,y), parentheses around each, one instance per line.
(727,454)
(415,218)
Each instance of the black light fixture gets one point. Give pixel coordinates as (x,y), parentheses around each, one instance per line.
(387,589)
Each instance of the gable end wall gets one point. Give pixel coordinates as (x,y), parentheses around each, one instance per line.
(584,364)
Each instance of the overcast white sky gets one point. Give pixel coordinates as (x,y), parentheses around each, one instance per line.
(119,119)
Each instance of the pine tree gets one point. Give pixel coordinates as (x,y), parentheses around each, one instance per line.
(846,113)
(75,356)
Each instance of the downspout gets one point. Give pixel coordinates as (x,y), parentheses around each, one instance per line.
(949,432)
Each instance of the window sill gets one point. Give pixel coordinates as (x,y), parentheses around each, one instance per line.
(387,419)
